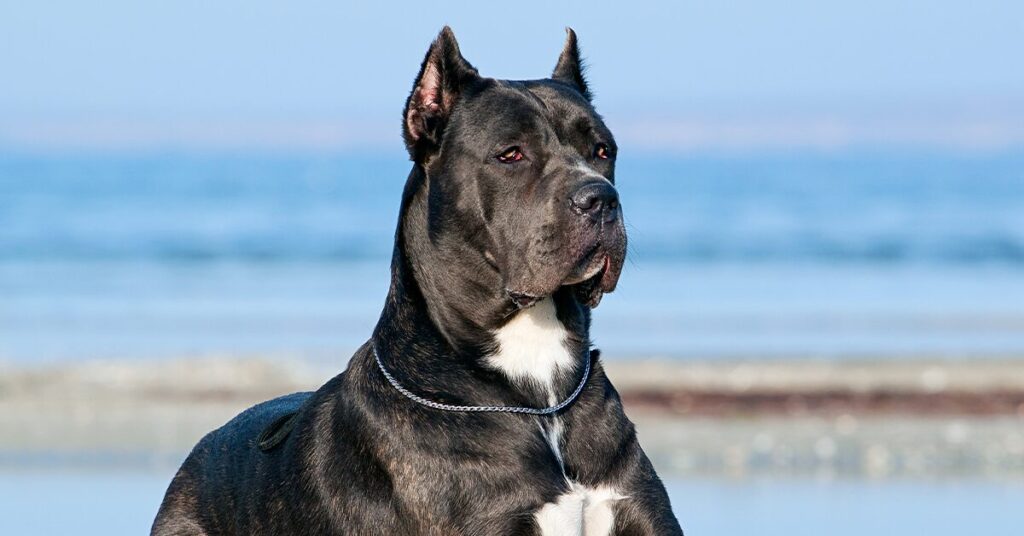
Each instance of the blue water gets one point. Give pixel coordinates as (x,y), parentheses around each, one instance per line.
(804,254)
(113,503)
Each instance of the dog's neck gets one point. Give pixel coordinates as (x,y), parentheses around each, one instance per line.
(534,348)
(447,320)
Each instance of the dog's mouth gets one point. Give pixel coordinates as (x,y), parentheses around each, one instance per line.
(588,282)
(590,290)
(594,274)
(587,279)
(587,267)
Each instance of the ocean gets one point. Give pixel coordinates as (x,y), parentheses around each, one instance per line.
(857,253)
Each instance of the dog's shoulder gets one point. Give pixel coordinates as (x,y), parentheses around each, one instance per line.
(239,438)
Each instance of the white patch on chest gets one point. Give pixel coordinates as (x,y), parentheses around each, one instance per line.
(531,346)
(553,435)
(582,511)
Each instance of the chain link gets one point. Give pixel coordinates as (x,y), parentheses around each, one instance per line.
(480,409)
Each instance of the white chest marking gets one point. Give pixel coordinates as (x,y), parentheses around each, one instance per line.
(531,346)
(582,511)
(553,435)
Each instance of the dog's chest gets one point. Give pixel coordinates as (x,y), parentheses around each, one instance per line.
(532,348)
(581,511)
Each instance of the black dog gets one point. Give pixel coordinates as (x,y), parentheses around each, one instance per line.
(510,232)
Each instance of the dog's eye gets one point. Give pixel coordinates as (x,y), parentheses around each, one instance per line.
(512,154)
(602,151)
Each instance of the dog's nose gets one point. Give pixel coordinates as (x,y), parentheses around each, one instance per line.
(597,199)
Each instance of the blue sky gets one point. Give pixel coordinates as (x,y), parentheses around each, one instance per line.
(331,73)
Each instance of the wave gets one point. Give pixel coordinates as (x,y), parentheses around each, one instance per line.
(852,208)
(996,249)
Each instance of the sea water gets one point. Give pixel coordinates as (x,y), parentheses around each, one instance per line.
(891,254)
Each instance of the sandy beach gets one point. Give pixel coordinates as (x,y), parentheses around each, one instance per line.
(866,418)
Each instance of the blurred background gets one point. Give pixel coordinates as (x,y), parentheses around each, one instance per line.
(820,329)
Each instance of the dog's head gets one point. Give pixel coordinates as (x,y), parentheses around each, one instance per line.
(523,172)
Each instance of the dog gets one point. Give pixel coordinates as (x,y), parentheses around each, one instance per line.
(477,407)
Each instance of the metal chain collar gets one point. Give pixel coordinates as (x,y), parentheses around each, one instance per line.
(493,409)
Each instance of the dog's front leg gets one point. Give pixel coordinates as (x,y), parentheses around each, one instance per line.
(646,509)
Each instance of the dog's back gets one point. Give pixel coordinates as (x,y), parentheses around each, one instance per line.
(226,465)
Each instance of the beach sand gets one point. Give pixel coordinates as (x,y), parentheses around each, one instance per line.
(853,417)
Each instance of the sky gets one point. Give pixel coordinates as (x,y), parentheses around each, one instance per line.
(667,74)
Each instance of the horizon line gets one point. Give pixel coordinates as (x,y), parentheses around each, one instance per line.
(644,134)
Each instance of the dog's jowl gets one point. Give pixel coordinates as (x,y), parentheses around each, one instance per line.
(477,407)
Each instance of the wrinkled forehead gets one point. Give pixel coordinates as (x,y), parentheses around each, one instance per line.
(510,111)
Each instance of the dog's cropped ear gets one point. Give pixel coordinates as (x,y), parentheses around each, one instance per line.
(443,76)
(570,66)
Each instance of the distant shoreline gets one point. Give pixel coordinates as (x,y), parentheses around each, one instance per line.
(908,385)
(873,418)
(969,387)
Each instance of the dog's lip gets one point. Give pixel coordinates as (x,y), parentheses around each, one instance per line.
(595,273)
(599,269)
(590,264)
(590,290)
(607,279)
